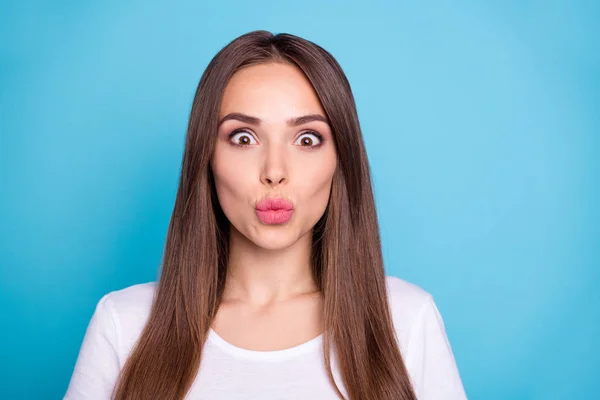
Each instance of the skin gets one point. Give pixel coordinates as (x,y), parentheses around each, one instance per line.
(270,300)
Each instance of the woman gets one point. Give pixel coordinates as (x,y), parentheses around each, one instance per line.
(272,284)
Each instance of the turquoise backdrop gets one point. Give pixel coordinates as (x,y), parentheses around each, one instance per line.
(482,124)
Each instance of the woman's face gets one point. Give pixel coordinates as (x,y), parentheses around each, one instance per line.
(263,151)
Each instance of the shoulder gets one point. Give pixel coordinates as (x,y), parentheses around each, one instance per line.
(423,342)
(115,326)
(129,309)
(405,297)
(407,303)
(131,302)
(133,298)
(399,288)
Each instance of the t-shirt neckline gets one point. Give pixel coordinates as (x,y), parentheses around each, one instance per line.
(267,355)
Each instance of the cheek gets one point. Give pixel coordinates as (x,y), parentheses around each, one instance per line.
(316,187)
(230,184)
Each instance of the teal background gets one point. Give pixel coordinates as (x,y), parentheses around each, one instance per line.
(481,120)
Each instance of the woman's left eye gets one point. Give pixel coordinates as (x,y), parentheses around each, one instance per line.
(310,139)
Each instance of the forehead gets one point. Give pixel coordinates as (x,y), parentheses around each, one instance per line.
(274,91)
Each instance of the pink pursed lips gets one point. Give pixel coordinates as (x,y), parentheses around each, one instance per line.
(273,211)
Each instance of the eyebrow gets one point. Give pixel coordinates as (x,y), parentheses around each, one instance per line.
(292,122)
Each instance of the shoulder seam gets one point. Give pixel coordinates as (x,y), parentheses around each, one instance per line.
(113,319)
(417,319)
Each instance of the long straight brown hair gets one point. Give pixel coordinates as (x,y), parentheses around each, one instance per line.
(346,253)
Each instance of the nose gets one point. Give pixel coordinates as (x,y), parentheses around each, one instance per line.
(274,170)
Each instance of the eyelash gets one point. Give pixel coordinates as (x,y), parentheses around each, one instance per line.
(240,130)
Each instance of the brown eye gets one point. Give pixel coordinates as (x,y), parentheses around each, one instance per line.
(307,141)
(311,139)
(242,139)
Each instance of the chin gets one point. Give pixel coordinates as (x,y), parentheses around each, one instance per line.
(274,240)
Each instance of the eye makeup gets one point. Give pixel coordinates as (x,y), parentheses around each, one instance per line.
(245,130)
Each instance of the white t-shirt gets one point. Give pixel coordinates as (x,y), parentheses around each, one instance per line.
(228,372)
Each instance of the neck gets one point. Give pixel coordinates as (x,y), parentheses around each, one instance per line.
(263,276)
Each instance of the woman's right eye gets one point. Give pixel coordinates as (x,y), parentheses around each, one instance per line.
(242,139)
